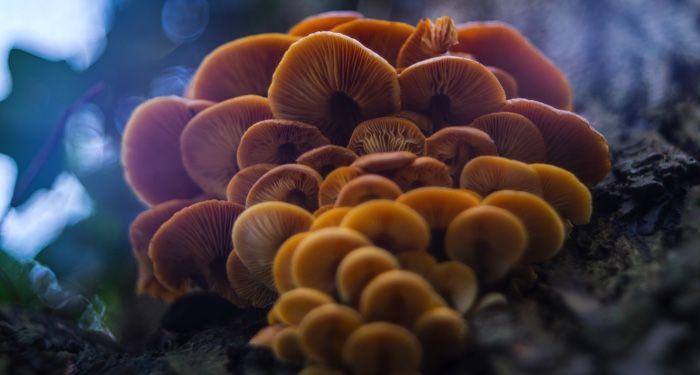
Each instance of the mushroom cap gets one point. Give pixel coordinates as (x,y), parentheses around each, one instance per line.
(241,67)
(391,225)
(424,171)
(325,329)
(282,264)
(292,183)
(544,227)
(382,348)
(450,90)
(384,163)
(565,193)
(515,136)
(383,37)
(442,333)
(249,289)
(210,140)
(259,232)
(294,305)
(330,218)
(358,268)
(457,283)
(323,22)
(422,121)
(316,259)
(266,336)
(277,141)
(489,239)
(325,159)
(331,185)
(489,301)
(191,248)
(456,145)
(507,81)
(287,346)
(240,184)
(365,188)
(427,40)
(386,134)
(486,174)
(141,232)
(572,143)
(396,296)
(333,82)
(151,150)
(500,45)
(419,262)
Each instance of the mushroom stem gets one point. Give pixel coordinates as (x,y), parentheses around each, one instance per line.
(346,115)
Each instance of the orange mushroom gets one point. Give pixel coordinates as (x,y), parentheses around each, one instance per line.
(565,193)
(292,183)
(358,268)
(326,159)
(325,329)
(428,40)
(365,188)
(240,184)
(456,145)
(323,22)
(245,285)
(383,37)
(384,163)
(424,171)
(386,134)
(509,84)
(486,174)
(330,187)
(382,348)
(514,135)
(282,264)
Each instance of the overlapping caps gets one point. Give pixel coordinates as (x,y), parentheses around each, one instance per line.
(371,174)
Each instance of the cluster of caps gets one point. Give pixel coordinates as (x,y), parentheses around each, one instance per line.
(368,172)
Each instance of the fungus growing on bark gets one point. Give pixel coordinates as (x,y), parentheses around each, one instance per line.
(358,268)
(456,145)
(367,187)
(386,134)
(391,225)
(427,40)
(240,184)
(456,282)
(292,183)
(383,37)
(424,171)
(514,135)
(277,142)
(450,90)
(489,239)
(330,218)
(500,45)
(323,22)
(210,140)
(331,185)
(486,174)
(191,248)
(151,150)
(325,329)
(294,305)
(382,348)
(326,159)
(282,264)
(343,83)
(565,193)
(241,67)
(246,287)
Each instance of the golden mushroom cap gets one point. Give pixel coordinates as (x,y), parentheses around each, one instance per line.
(427,40)
(210,140)
(325,159)
(489,239)
(240,184)
(333,82)
(386,134)
(241,67)
(365,188)
(391,225)
(486,174)
(456,145)
(380,348)
(330,218)
(295,304)
(443,334)
(424,171)
(287,346)
(457,283)
(358,268)
(282,264)
(565,193)
(334,182)
(544,227)
(323,21)
(292,183)
(250,290)
(383,37)
(515,136)
(325,329)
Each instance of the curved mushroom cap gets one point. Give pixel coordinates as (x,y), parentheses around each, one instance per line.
(331,81)
(318,255)
(241,67)
(572,143)
(457,283)
(509,84)
(210,140)
(365,188)
(486,174)
(292,183)
(259,232)
(240,184)
(489,239)
(396,296)
(515,136)
(358,268)
(325,329)
(249,289)
(326,159)
(489,301)
(277,142)
(543,225)
(141,232)
(390,225)
(502,46)
(151,150)
(191,248)
(442,333)
(422,121)
(565,193)
(330,218)
(282,264)
(287,346)
(450,90)
(382,348)
(294,305)
(427,40)
(330,187)
(419,262)
(383,37)
(323,22)
(386,134)
(424,171)
(384,163)
(456,145)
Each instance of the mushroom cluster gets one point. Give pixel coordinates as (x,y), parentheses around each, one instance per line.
(362,178)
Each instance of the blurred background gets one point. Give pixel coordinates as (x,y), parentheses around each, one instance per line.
(71,72)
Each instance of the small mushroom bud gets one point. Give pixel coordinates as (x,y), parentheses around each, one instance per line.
(382,348)
(365,188)
(325,329)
